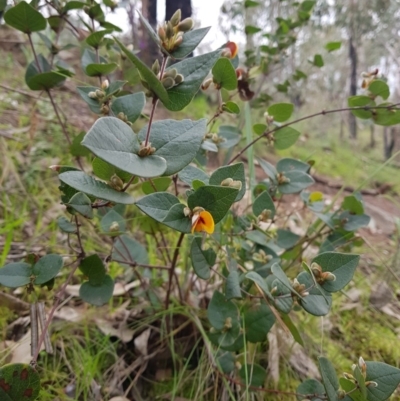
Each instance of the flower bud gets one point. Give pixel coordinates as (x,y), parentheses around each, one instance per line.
(341,394)
(176,18)
(348,376)
(371,384)
(206,84)
(168,82)
(228,323)
(100,94)
(170,73)
(187,212)
(116,182)
(316,269)
(178,42)
(105,84)
(156,67)
(161,33)
(186,25)
(362,365)
(105,110)
(328,276)
(179,79)
(169,32)
(227,182)
(236,184)
(92,95)
(55,167)
(114,226)
(122,116)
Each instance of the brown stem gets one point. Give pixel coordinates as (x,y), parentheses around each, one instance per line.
(34,53)
(172,268)
(128,183)
(135,264)
(321,113)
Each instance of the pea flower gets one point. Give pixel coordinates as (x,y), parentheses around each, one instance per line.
(202,221)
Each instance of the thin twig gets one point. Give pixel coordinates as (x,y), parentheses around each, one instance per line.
(172,268)
(321,113)
(34,53)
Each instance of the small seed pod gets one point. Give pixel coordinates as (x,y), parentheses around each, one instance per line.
(156,67)
(168,82)
(179,79)
(176,18)
(185,25)
(169,31)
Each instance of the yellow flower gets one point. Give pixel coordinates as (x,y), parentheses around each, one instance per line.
(202,221)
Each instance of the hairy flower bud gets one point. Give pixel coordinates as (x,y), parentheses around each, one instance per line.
(185,25)
(92,95)
(168,82)
(161,33)
(171,73)
(169,31)
(176,18)
(156,67)
(227,182)
(206,84)
(100,94)
(114,226)
(179,79)
(116,182)
(105,84)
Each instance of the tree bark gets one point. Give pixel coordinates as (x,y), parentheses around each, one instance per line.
(149,49)
(353,85)
(172,5)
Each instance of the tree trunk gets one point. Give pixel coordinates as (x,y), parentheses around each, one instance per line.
(172,5)
(353,86)
(388,142)
(372,141)
(149,49)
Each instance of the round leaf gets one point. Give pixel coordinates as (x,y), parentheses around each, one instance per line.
(258,321)
(47,268)
(281,111)
(129,250)
(97,294)
(201,260)
(130,105)
(264,202)
(253,375)
(15,274)
(285,137)
(224,74)
(234,171)
(379,88)
(93,268)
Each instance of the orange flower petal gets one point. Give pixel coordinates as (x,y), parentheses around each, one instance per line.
(233,47)
(203,221)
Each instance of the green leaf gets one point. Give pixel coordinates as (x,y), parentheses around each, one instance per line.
(105,171)
(146,73)
(257,279)
(19,382)
(353,204)
(114,141)
(311,386)
(66,226)
(156,185)
(95,39)
(329,378)
(341,265)
(157,205)
(231,135)
(285,137)
(318,303)
(112,223)
(190,41)
(177,219)
(253,375)
(281,276)
(47,268)
(386,117)
(15,275)
(129,250)
(351,388)
(84,94)
(231,107)
(232,284)
(114,87)
(251,29)
(360,101)
(286,239)
(224,74)
(191,173)
(281,111)
(25,18)
(194,71)
(177,142)
(234,171)
(292,328)
(45,80)
(88,185)
(97,70)
(259,129)
(307,5)
(387,377)
(202,260)
(264,202)
(297,182)
(258,321)
(269,169)
(318,61)
(76,149)
(287,164)
(97,294)
(251,3)
(130,105)
(226,362)
(379,88)
(74,5)
(332,46)
(224,316)
(81,203)
(93,268)
(214,199)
